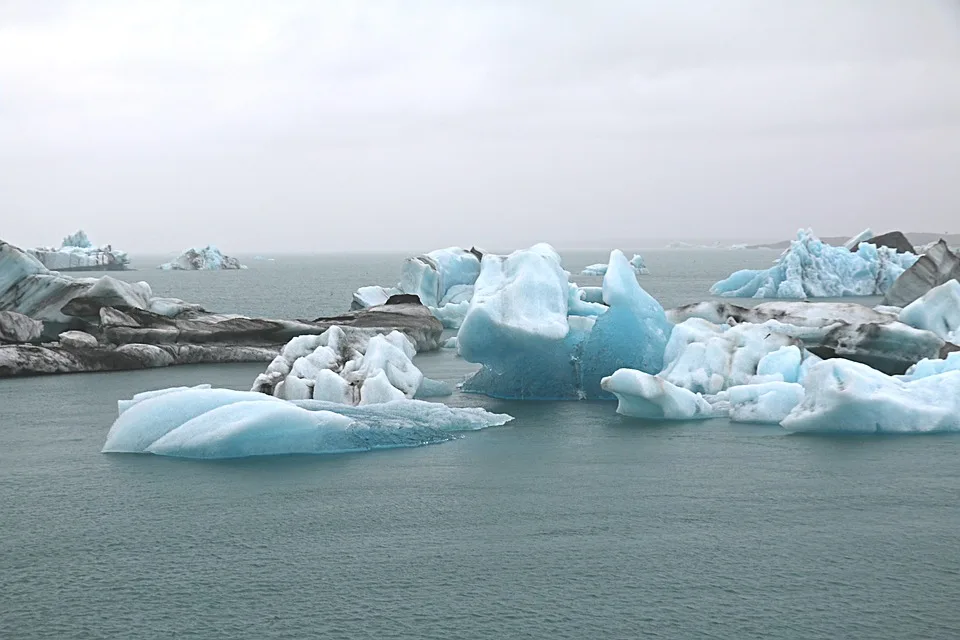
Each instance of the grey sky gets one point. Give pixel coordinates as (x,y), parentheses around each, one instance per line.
(349,124)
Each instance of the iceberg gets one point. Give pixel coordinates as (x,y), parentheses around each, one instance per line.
(642,395)
(77,253)
(600,269)
(208,258)
(810,268)
(933,366)
(537,339)
(934,268)
(849,397)
(937,311)
(632,333)
(204,423)
(441,279)
(347,366)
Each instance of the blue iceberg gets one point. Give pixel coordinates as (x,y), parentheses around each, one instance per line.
(810,268)
(538,339)
(221,423)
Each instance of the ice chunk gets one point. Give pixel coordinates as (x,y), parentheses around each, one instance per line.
(631,334)
(209,258)
(598,269)
(810,268)
(642,395)
(577,306)
(373,296)
(638,264)
(854,242)
(591,294)
(450,343)
(933,366)
(765,403)
(844,396)
(217,423)
(707,358)
(16,327)
(937,311)
(431,275)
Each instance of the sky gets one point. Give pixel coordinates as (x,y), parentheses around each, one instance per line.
(300,126)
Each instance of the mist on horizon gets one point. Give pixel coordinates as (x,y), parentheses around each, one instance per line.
(326,126)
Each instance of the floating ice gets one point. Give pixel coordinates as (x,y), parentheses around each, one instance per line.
(810,268)
(538,339)
(77,253)
(345,365)
(708,358)
(600,269)
(933,366)
(208,258)
(219,423)
(937,311)
(844,396)
(764,403)
(642,395)
(631,334)
(442,279)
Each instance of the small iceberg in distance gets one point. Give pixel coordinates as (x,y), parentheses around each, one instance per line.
(208,258)
(209,424)
(600,269)
(78,253)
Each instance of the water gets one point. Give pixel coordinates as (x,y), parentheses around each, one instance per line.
(569,522)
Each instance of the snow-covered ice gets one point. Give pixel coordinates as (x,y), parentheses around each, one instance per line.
(205,423)
(208,258)
(810,268)
(845,396)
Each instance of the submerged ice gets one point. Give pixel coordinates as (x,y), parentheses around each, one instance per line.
(205,423)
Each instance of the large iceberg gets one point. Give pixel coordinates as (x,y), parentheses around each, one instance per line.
(208,258)
(810,268)
(935,267)
(77,253)
(205,423)
(533,344)
(844,396)
(441,279)
(636,263)
(348,366)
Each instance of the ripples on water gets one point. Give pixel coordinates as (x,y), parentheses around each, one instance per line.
(570,522)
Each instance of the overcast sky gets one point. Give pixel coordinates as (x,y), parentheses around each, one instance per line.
(317,126)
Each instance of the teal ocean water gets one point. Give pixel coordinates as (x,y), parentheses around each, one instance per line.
(569,522)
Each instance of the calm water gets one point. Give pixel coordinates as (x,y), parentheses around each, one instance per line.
(570,522)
